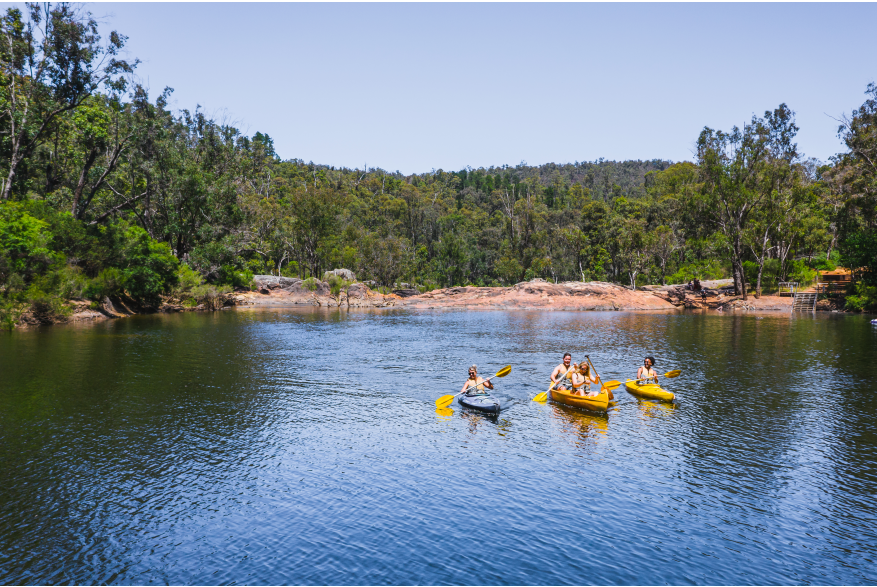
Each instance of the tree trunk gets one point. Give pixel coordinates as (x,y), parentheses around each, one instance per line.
(738,265)
(758,283)
(80,185)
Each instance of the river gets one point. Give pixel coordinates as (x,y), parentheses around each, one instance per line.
(304,447)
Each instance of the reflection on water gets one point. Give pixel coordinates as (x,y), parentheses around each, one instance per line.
(231,448)
(655,408)
(579,425)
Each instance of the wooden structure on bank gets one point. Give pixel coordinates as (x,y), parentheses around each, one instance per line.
(787,288)
(836,281)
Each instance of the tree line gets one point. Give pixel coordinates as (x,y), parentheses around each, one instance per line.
(106,191)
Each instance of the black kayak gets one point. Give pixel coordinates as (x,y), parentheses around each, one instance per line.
(483,402)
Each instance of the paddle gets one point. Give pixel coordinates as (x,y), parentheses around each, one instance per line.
(597,375)
(541,397)
(446,400)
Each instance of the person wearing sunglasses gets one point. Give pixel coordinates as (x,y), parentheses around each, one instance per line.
(475,383)
(581,376)
(646,373)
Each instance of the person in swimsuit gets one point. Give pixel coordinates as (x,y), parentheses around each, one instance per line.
(646,372)
(475,383)
(560,373)
(580,377)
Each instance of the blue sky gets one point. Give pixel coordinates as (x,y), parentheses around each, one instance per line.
(420,86)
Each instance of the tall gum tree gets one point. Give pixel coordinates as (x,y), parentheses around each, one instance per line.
(50,63)
(740,171)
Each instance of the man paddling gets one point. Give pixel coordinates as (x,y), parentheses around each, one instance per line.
(475,383)
(559,374)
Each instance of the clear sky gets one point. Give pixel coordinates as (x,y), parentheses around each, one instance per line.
(420,86)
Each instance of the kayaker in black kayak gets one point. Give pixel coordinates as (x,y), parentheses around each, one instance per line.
(646,372)
(580,377)
(559,373)
(475,382)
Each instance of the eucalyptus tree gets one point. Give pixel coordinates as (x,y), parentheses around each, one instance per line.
(739,172)
(51,62)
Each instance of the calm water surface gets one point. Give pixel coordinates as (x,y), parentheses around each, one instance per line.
(274,447)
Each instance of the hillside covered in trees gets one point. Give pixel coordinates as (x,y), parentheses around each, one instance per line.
(105,191)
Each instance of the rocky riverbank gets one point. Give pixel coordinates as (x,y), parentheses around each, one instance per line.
(538,294)
(292,291)
(542,295)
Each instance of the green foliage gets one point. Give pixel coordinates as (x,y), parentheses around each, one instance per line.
(336,283)
(864,298)
(859,253)
(702,270)
(309,284)
(212,296)
(114,190)
(233,277)
(67,282)
(187,280)
(150,267)
(23,244)
(799,271)
(108,283)
(46,307)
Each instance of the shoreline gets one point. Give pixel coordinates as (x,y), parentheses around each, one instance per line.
(538,294)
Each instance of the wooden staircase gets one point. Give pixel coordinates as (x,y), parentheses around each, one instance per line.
(805,301)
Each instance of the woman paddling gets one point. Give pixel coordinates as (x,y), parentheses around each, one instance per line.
(475,383)
(580,377)
(646,372)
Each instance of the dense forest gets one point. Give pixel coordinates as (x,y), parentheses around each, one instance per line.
(105,191)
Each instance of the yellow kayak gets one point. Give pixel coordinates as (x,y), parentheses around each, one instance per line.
(649,390)
(598,403)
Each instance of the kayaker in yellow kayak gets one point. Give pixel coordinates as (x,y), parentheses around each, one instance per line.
(560,372)
(646,373)
(475,382)
(580,377)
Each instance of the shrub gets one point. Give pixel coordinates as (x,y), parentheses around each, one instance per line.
(800,272)
(212,296)
(864,298)
(859,252)
(187,280)
(230,275)
(336,283)
(309,284)
(46,307)
(23,246)
(108,282)
(10,313)
(702,270)
(66,282)
(151,266)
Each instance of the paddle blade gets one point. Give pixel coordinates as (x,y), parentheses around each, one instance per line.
(611,384)
(444,401)
(504,371)
(541,397)
(673,373)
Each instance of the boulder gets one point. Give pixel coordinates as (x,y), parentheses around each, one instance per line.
(343,274)
(268,280)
